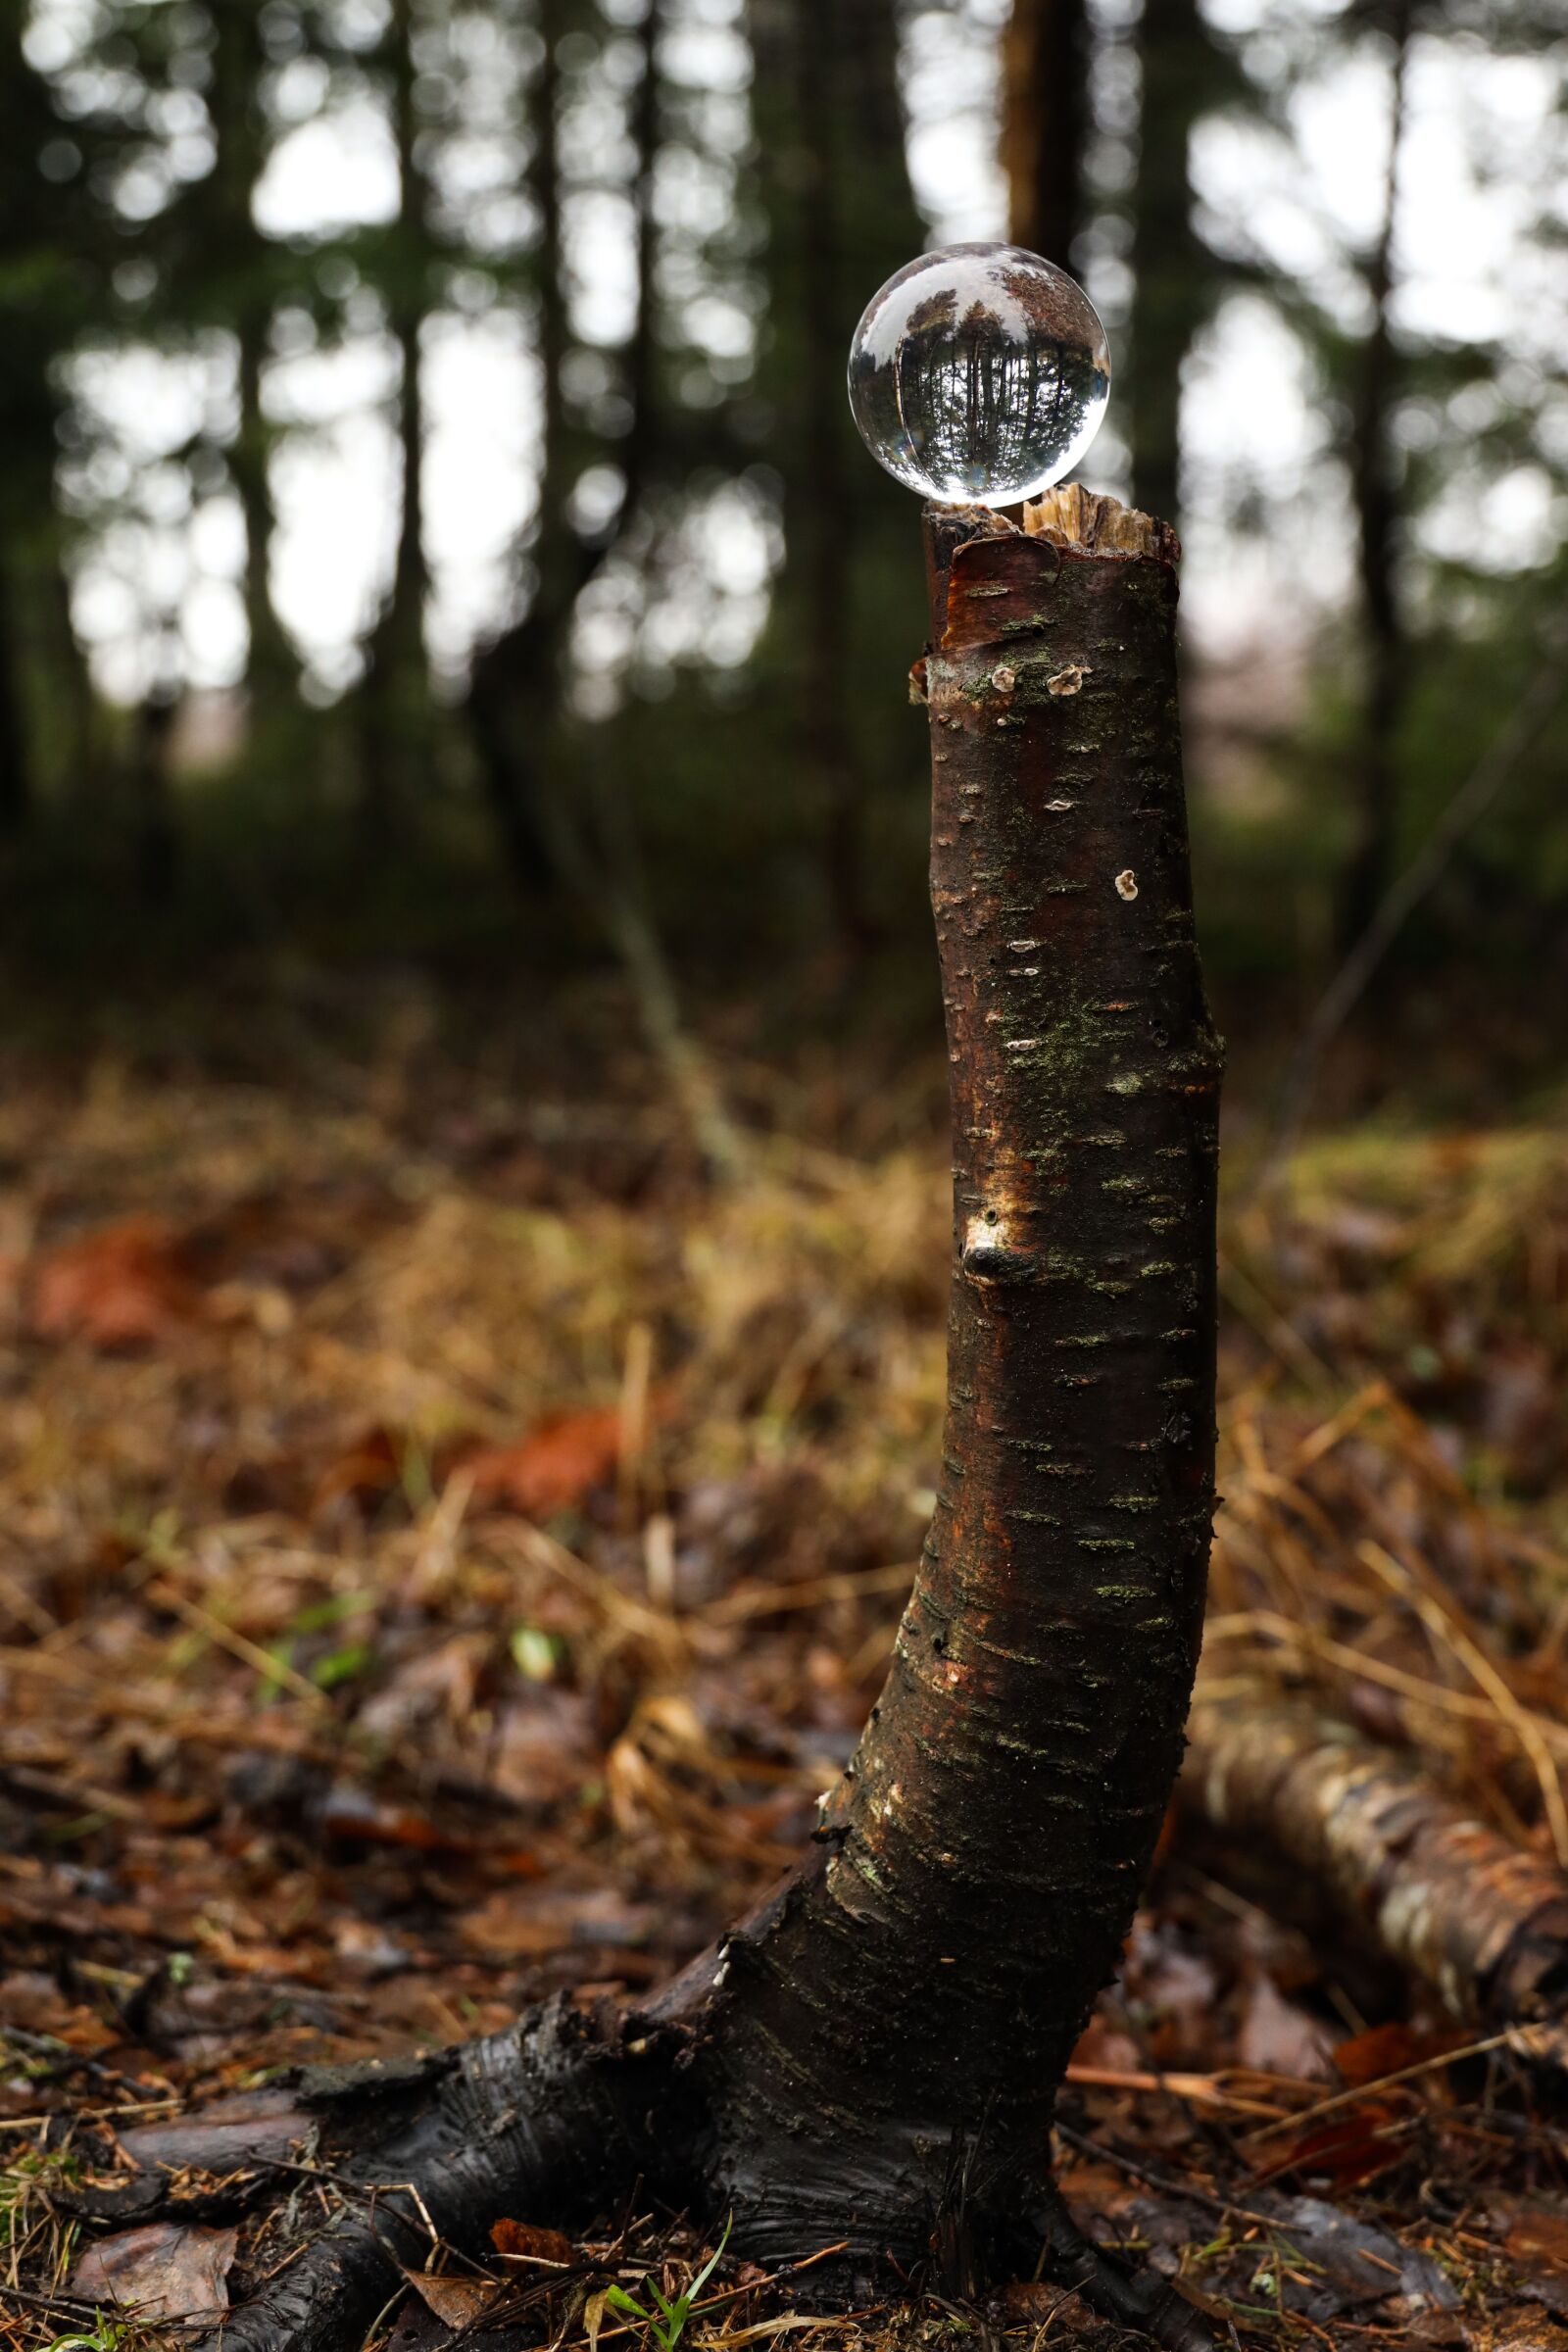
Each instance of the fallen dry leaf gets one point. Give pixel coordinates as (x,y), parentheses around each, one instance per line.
(1539,2239)
(1345,2149)
(366,1475)
(458,2303)
(1384,2050)
(165,2271)
(560,1462)
(1277,2036)
(1353,2262)
(525,2241)
(123,1287)
(593,2317)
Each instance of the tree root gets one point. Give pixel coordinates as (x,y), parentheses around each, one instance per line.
(1140,2299)
(559,2118)
(542,2118)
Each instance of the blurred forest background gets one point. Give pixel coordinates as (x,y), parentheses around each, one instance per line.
(432,537)
(460,805)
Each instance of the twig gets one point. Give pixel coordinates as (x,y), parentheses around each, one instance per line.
(1246,1625)
(1441,1625)
(1406,2073)
(250,1653)
(767,1600)
(1137,2169)
(48,2303)
(1194,2091)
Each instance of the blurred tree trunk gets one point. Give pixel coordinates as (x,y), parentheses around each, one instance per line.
(238,261)
(394,698)
(1375,489)
(1172,277)
(72,686)
(825,36)
(841,220)
(48,285)
(515,692)
(155,836)
(1045,123)
(270,662)
(15,783)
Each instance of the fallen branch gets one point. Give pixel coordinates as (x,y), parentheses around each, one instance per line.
(1441,1893)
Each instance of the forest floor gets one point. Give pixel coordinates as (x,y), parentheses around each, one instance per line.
(446,1548)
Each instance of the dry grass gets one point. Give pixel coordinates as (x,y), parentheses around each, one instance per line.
(444,1558)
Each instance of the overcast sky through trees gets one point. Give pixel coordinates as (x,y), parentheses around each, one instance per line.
(158,576)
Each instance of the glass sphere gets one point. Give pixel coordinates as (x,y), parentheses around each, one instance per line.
(979,374)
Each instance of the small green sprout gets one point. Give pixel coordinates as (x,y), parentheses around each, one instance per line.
(667,2324)
(535,1653)
(106,2336)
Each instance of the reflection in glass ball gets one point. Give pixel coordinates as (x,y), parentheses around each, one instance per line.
(979,374)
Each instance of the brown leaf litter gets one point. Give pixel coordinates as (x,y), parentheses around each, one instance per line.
(432,1576)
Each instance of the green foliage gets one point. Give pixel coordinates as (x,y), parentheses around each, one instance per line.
(106,2336)
(667,2324)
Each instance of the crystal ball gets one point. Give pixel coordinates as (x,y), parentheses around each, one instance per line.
(979,376)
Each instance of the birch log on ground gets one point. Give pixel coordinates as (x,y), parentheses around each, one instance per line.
(1483,1924)
(869,2063)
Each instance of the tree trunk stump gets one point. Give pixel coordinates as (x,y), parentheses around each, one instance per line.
(871,2061)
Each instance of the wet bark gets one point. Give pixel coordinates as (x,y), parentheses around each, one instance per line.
(901,2022)
(1443,1896)
(871,2059)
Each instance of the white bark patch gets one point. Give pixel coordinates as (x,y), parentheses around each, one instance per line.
(1127,884)
(984,1235)
(1068,680)
(1004,679)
